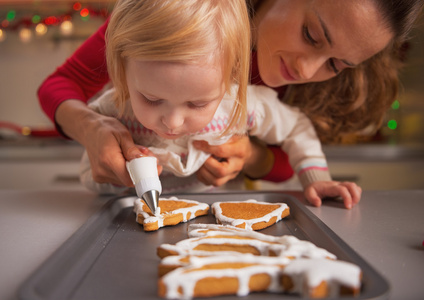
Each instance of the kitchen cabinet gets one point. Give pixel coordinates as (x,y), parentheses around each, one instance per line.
(25,175)
(39,164)
(373,167)
(55,164)
(378,167)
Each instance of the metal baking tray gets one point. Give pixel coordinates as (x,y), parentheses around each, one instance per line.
(111,257)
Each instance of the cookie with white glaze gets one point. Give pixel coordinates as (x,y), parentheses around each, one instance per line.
(218,260)
(223,275)
(320,278)
(249,214)
(170,211)
(211,240)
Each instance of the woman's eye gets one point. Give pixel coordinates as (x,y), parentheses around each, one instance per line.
(332,66)
(307,35)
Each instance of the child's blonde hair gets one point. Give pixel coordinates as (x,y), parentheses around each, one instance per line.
(183,31)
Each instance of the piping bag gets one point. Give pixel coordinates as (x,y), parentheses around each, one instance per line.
(144,174)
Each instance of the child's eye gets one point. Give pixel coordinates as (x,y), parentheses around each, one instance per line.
(152,102)
(197,105)
(307,36)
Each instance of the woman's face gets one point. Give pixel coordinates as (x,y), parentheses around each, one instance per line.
(301,41)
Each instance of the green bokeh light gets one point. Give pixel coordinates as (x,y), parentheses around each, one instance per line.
(36,19)
(395,105)
(11,14)
(392,124)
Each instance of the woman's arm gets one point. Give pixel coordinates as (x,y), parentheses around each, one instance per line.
(79,78)
(107,142)
(64,95)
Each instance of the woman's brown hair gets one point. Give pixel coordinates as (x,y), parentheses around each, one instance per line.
(353,104)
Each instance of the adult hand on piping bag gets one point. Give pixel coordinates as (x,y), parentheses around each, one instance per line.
(144,172)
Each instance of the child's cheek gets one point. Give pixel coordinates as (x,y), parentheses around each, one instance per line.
(205,121)
(146,117)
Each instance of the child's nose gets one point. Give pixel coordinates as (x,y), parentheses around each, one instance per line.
(173,120)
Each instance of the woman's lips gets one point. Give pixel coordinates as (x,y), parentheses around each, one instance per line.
(287,75)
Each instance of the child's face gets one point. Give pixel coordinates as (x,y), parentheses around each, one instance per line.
(174,99)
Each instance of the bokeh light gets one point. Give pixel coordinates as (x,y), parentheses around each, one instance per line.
(392,124)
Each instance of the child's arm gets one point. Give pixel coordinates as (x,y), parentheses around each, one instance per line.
(277,123)
(350,192)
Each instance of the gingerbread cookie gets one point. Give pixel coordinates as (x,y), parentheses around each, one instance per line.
(319,278)
(221,244)
(222,260)
(212,240)
(286,245)
(223,275)
(249,214)
(171,211)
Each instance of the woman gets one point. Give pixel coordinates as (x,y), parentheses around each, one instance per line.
(360,40)
(300,44)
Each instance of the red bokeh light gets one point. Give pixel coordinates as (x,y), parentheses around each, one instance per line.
(76,6)
(84,12)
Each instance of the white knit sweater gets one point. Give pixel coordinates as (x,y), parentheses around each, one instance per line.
(269,120)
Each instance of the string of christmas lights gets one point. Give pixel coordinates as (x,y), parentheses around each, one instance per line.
(35,23)
(26,25)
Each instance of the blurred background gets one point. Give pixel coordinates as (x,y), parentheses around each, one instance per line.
(37,36)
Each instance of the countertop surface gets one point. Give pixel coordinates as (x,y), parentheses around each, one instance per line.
(386,229)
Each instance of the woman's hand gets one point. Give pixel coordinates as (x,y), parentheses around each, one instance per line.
(350,192)
(108,143)
(228,160)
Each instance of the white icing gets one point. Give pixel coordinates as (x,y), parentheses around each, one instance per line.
(159,217)
(187,246)
(286,245)
(302,249)
(187,280)
(199,230)
(199,261)
(305,263)
(314,271)
(217,210)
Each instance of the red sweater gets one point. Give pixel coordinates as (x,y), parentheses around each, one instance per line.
(85,73)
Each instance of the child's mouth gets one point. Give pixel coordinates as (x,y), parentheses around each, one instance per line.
(171,135)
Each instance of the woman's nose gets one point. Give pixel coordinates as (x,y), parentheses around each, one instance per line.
(308,66)
(173,119)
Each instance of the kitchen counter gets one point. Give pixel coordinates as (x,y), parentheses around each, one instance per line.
(386,229)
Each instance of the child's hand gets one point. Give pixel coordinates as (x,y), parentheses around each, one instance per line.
(349,191)
(232,157)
